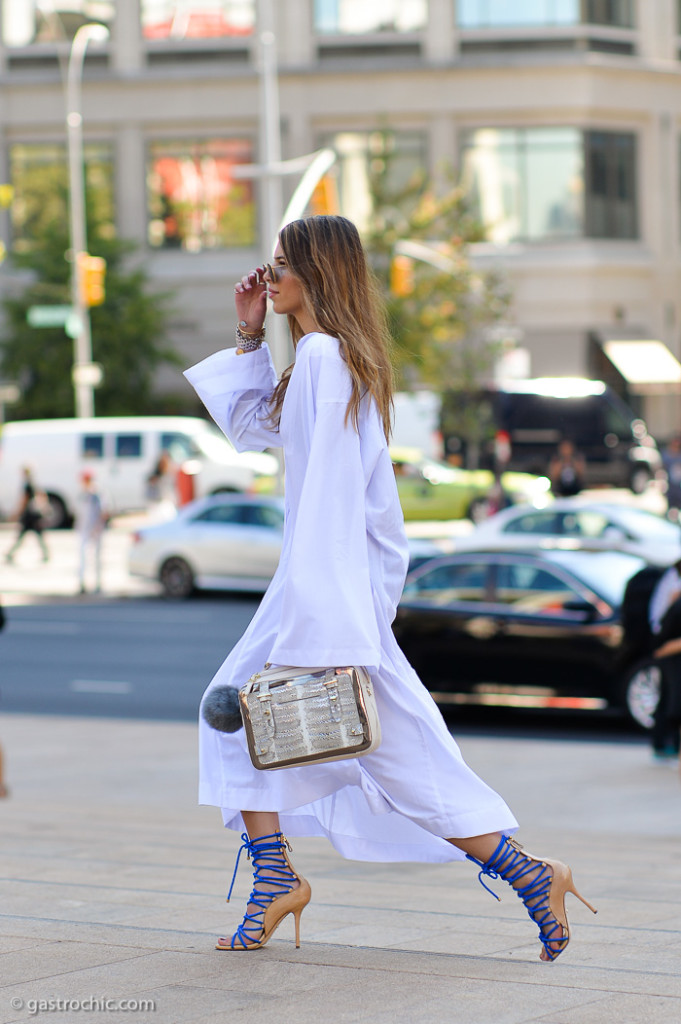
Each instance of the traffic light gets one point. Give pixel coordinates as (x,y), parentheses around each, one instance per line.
(91,274)
(324,199)
(401,275)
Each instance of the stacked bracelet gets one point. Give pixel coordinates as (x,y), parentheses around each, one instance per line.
(248,342)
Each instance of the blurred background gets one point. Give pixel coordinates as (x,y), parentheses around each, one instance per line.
(514,167)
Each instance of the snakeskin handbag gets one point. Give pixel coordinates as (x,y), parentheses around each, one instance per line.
(297,716)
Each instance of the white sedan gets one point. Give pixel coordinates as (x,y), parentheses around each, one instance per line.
(575,523)
(225,542)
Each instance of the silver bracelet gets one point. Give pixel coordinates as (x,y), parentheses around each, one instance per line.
(248,342)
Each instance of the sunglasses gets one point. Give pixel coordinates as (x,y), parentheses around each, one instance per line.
(273,272)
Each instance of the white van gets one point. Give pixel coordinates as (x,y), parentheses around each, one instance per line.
(121,452)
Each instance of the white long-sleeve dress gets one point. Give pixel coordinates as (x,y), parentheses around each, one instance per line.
(332,602)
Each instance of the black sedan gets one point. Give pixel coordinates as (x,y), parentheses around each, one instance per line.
(526,630)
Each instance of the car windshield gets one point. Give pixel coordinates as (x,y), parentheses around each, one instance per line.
(605,572)
(648,525)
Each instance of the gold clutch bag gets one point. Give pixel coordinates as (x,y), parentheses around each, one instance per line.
(297,716)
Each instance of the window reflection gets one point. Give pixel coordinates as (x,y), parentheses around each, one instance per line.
(197,19)
(195,202)
(39,174)
(399,156)
(50,21)
(551,183)
(357,16)
(512,13)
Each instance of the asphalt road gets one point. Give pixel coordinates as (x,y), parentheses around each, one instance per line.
(147,658)
(136,658)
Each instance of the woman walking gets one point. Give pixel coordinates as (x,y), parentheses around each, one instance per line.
(333,598)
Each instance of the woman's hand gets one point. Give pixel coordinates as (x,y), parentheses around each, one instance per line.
(250,297)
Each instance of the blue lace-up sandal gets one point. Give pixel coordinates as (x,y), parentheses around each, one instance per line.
(541,885)
(275,893)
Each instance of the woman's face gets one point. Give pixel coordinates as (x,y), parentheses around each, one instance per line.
(286,293)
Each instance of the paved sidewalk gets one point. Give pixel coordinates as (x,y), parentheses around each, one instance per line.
(113,885)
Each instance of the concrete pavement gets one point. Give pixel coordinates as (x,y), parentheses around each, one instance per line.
(112,885)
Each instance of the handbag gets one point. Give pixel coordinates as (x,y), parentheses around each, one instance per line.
(297,716)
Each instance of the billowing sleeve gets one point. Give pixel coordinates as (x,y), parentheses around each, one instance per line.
(236,390)
(328,616)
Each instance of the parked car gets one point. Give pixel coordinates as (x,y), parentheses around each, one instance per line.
(224,542)
(121,453)
(525,629)
(433,490)
(573,522)
(536,414)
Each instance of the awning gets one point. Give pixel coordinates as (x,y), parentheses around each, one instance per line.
(648,366)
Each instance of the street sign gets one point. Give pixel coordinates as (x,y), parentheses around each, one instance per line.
(48,316)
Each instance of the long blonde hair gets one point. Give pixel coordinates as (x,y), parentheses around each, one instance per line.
(326,255)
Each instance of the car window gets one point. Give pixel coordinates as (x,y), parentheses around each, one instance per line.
(532,590)
(266,515)
(447,583)
(179,446)
(586,524)
(535,522)
(128,446)
(93,446)
(223,514)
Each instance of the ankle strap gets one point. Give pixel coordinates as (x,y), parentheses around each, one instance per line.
(257,849)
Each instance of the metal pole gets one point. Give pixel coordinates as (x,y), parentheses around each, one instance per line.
(270,145)
(82,344)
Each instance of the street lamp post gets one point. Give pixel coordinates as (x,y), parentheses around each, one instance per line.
(82,344)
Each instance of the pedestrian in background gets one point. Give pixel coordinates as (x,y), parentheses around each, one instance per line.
(566,470)
(90,524)
(671,460)
(333,599)
(29,516)
(664,615)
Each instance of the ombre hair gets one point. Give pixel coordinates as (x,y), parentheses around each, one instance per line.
(326,255)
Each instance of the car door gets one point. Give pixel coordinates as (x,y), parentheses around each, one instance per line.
(551,633)
(232,539)
(442,622)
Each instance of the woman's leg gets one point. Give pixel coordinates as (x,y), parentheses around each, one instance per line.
(540,884)
(274,892)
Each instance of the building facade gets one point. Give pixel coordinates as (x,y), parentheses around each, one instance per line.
(563,118)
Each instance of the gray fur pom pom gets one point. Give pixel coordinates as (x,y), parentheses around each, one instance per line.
(220,708)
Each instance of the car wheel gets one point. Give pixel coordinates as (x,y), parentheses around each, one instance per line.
(478,510)
(177,578)
(639,479)
(641,692)
(56,517)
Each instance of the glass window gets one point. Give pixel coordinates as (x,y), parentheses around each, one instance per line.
(518,13)
(551,183)
(39,174)
(448,583)
(93,446)
(610,185)
(179,446)
(195,202)
(533,591)
(50,21)
(128,446)
(266,515)
(223,514)
(197,19)
(357,16)
(535,523)
(400,155)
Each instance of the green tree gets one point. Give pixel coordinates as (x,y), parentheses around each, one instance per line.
(444,326)
(128,331)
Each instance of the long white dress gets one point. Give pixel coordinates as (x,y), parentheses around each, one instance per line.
(331,602)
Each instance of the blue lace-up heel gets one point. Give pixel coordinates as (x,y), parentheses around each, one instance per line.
(273,896)
(543,893)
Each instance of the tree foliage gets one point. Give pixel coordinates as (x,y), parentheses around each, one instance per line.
(128,330)
(444,328)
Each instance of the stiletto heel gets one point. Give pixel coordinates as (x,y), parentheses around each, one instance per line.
(543,894)
(273,893)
